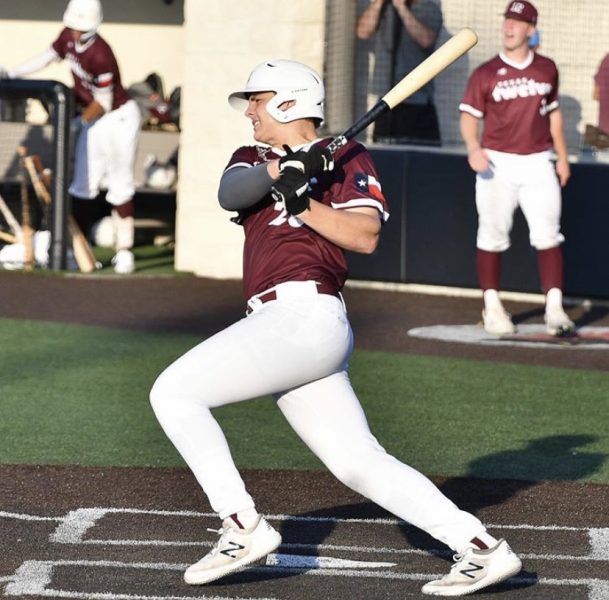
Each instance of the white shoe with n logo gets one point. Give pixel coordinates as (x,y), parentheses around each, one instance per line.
(476,569)
(237,548)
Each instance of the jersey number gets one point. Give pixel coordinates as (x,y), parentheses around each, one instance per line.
(285,217)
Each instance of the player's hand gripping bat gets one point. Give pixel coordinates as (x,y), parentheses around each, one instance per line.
(445,55)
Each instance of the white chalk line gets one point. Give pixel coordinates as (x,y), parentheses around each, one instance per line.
(33,577)
(332,547)
(76,523)
(51,593)
(24,517)
(276,517)
(47,566)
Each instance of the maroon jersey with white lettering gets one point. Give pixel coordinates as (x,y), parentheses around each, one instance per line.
(514,101)
(279,247)
(93,66)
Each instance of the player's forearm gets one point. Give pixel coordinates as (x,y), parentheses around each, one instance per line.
(422,35)
(557,132)
(356,230)
(92,111)
(368,22)
(242,187)
(36,63)
(468,125)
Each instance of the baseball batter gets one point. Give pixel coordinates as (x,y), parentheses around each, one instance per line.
(108,124)
(300,208)
(516,95)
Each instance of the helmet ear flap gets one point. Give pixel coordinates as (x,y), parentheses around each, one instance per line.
(273,106)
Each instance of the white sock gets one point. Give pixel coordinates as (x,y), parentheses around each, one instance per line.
(554,299)
(124,231)
(492,300)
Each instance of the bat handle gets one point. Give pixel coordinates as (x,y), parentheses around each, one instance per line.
(372,115)
(337,143)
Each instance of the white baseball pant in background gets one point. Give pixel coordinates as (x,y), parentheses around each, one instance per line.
(105,155)
(525,180)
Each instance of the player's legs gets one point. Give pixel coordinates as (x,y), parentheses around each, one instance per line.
(281,345)
(328,417)
(120,140)
(88,164)
(540,200)
(496,201)
(122,135)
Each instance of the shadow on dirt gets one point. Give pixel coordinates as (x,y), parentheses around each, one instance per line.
(557,457)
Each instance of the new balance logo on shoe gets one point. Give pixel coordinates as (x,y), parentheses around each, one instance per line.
(469,572)
(476,569)
(235,548)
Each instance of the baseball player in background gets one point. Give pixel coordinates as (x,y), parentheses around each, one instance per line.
(516,95)
(108,124)
(300,208)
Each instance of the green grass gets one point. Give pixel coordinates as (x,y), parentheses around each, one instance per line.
(73,394)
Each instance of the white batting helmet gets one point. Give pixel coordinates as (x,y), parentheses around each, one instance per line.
(290,80)
(83,15)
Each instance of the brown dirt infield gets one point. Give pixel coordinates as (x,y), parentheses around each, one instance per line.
(117,533)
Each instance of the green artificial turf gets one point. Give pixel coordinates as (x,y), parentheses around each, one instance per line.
(74,394)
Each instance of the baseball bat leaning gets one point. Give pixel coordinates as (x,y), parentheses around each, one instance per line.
(82,251)
(26,219)
(445,55)
(10,219)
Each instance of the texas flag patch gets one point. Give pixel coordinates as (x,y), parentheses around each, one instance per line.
(369,184)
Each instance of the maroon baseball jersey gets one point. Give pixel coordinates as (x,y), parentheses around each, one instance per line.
(514,101)
(279,247)
(93,66)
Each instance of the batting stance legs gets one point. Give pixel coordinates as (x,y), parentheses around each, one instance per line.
(307,341)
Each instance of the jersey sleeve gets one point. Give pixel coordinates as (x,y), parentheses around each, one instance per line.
(358,185)
(246,156)
(60,45)
(474,97)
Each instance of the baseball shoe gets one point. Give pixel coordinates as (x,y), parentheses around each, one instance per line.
(476,569)
(237,548)
(124,262)
(558,323)
(497,321)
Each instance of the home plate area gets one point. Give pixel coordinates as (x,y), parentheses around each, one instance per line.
(127,554)
(532,336)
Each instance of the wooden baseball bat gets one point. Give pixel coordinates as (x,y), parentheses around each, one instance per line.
(8,237)
(445,55)
(26,219)
(10,219)
(82,251)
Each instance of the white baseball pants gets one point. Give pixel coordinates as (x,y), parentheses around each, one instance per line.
(525,180)
(295,348)
(105,155)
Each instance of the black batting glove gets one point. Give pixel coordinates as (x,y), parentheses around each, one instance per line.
(311,162)
(291,190)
